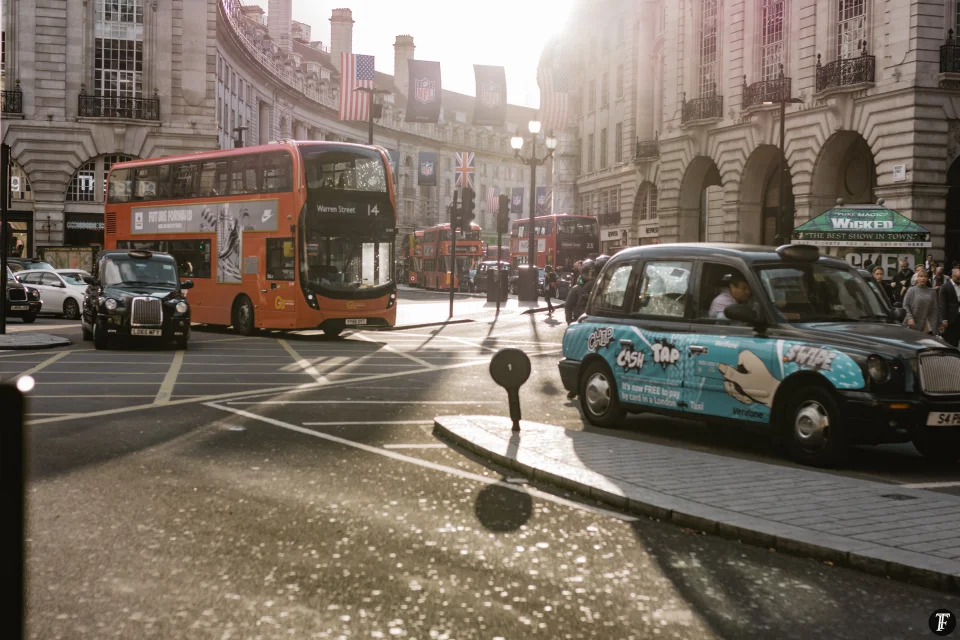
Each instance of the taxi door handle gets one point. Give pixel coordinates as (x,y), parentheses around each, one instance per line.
(698,349)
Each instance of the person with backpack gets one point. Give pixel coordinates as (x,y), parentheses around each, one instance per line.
(549,287)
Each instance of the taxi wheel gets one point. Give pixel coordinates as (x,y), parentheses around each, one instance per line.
(939,450)
(243,316)
(813,432)
(87,333)
(29,318)
(99,336)
(180,344)
(598,397)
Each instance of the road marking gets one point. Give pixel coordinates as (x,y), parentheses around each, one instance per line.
(931,485)
(42,365)
(253,393)
(471,344)
(415,446)
(169,380)
(24,354)
(147,406)
(426,464)
(387,347)
(303,363)
(342,423)
(368,402)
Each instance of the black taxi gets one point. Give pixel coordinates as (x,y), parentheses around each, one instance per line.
(782,339)
(22,302)
(136,294)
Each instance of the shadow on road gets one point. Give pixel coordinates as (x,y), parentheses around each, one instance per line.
(502,510)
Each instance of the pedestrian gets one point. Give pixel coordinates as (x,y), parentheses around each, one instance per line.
(919,269)
(920,303)
(939,278)
(572,303)
(950,308)
(549,286)
(929,265)
(878,276)
(901,280)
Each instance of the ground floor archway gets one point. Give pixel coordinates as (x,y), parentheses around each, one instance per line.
(701,202)
(846,170)
(646,223)
(951,247)
(760,197)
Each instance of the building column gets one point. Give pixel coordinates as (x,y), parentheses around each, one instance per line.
(925,204)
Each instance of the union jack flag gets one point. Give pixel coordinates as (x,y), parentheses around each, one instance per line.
(464,169)
(356,71)
(554,98)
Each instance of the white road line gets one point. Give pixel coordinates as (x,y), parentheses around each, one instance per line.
(42,365)
(471,344)
(422,363)
(169,380)
(303,363)
(426,464)
(253,393)
(446,402)
(930,485)
(415,446)
(342,423)
(24,354)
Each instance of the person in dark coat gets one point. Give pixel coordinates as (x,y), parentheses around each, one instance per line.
(949,307)
(571,305)
(901,281)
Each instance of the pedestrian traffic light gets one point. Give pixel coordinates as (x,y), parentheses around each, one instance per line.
(454,216)
(467,214)
(503,214)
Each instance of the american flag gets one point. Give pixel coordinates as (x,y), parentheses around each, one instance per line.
(355,71)
(464,169)
(493,195)
(554,99)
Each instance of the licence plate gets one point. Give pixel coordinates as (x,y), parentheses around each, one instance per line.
(944,419)
(355,321)
(146,332)
(20,307)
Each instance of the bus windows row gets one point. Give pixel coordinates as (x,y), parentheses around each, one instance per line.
(430,237)
(194,256)
(249,174)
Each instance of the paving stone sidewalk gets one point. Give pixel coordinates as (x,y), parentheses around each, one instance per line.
(31,340)
(908,534)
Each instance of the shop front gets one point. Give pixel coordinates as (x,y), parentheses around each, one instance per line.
(613,240)
(83,229)
(865,236)
(19,234)
(648,232)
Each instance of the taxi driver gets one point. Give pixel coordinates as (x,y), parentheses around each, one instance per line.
(738,293)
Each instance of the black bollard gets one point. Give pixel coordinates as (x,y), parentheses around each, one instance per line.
(12,478)
(510,368)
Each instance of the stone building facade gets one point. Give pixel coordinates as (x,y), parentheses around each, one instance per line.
(88,83)
(878,114)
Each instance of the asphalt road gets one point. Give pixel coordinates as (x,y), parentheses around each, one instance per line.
(290,486)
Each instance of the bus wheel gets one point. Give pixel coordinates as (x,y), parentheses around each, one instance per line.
(333,332)
(243,316)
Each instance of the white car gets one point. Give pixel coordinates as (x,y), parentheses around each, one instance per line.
(62,290)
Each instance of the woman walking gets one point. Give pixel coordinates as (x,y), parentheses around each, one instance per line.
(920,304)
(878,273)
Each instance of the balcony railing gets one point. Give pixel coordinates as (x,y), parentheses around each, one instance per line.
(846,72)
(950,55)
(647,149)
(702,108)
(772,91)
(12,100)
(127,108)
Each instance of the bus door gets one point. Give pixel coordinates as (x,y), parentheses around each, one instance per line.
(279,295)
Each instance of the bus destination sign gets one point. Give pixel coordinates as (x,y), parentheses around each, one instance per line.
(259,215)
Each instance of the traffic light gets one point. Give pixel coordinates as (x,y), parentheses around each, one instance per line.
(503,214)
(467,214)
(454,216)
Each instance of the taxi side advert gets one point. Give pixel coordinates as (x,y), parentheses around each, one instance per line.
(136,295)
(785,341)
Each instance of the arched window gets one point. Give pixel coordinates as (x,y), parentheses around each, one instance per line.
(89,183)
(646,203)
(20,190)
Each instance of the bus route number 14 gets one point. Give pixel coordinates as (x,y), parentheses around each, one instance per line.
(373,210)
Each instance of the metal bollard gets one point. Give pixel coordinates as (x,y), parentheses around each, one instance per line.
(510,368)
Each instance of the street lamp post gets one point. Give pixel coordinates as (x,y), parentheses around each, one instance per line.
(376,108)
(781,205)
(238,141)
(528,291)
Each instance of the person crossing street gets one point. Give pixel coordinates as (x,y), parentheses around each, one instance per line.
(549,287)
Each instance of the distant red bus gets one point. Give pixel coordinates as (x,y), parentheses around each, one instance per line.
(414,259)
(436,255)
(490,252)
(562,240)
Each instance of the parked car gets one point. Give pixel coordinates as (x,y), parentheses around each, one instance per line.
(22,301)
(785,341)
(21,264)
(135,294)
(62,292)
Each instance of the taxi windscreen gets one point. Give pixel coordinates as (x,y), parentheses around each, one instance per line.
(819,293)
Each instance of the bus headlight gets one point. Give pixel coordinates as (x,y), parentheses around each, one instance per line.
(392,301)
(312,301)
(110,304)
(182,307)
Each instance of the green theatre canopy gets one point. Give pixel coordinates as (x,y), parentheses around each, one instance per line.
(862,225)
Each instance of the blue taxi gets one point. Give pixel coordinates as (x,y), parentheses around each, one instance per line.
(782,340)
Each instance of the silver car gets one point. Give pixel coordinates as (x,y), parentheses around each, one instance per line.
(62,290)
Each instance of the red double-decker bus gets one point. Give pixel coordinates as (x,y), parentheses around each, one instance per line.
(288,235)
(562,240)
(436,255)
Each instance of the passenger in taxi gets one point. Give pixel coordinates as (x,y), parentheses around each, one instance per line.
(737,293)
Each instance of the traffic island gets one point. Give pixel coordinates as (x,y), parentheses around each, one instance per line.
(907,534)
(28,340)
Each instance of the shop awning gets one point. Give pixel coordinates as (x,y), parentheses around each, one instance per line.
(862,225)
